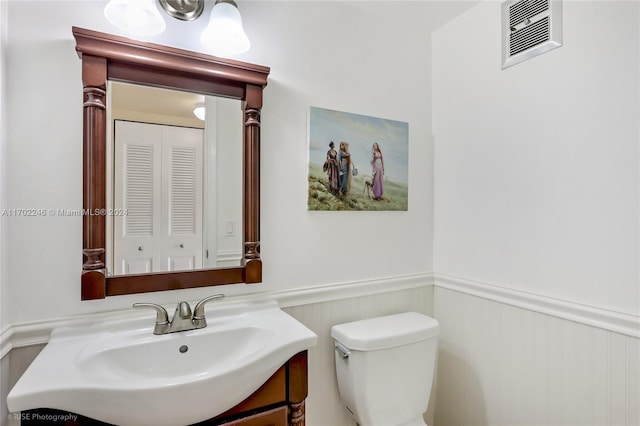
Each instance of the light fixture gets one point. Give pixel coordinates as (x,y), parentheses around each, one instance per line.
(225,35)
(139,17)
(185,10)
(199,111)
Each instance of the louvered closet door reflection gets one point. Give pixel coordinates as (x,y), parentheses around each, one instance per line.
(158,181)
(181,219)
(138,159)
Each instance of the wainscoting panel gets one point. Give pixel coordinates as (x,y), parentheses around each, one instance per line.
(13,365)
(500,363)
(4,389)
(506,365)
(323,405)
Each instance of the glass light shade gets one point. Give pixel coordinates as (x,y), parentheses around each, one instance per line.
(225,35)
(139,17)
(199,111)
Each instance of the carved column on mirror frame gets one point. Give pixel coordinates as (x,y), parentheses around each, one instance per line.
(297,417)
(251,255)
(94,76)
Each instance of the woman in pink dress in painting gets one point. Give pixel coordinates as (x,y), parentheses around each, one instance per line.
(377,162)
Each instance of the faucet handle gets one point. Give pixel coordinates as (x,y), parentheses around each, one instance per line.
(183,311)
(198,312)
(162,317)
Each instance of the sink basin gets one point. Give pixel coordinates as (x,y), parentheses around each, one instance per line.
(137,354)
(119,372)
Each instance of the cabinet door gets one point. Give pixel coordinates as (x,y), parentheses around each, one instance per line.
(275,417)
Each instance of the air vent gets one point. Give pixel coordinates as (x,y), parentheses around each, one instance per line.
(530,28)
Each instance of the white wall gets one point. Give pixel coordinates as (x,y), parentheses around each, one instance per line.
(4,316)
(4,288)
(327,54)
(536,222)
(551,211)
(367,58)
(536,166)
(227,179)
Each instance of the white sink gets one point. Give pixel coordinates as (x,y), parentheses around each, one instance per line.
(121,373)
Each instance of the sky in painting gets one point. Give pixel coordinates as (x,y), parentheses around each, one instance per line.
(360,132)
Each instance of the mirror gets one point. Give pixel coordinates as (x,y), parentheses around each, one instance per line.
(107,58)
(174,183)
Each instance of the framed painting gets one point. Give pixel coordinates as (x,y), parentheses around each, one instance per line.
(357,162)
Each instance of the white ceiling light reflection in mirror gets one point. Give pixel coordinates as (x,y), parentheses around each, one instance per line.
(222,36)
(174,181)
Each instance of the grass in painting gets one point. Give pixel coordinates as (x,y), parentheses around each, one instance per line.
(320,198)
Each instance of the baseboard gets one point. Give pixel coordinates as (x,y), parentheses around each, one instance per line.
(617,322)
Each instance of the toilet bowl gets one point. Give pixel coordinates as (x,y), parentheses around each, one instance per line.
(385,367)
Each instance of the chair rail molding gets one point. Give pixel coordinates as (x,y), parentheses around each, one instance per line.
(617,322)
(37,332)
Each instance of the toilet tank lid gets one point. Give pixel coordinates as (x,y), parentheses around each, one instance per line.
(385,332)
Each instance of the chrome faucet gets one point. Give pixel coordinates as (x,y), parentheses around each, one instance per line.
(182,318)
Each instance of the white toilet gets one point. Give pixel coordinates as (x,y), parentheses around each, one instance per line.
(385,367)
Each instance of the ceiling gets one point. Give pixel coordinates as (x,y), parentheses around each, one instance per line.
(154,101)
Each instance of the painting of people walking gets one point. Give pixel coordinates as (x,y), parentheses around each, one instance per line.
(357,162)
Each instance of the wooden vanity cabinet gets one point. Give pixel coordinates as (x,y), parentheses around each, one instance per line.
(275,417)
(280,401)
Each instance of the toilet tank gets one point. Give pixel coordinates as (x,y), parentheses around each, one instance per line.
(385,366)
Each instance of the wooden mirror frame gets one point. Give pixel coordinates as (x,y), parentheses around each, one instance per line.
(108,57)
